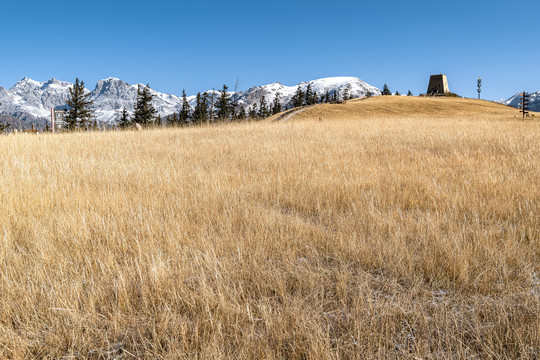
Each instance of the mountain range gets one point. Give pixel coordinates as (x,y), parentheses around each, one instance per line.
(516,99)
(29,102)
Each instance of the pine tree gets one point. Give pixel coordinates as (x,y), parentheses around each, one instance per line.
(173,119)
(369,94)
(207,107)
(327,97)
(386,91)
(309,96)
(197,116)
(397,93)
(124,121)
(79,103)
(252,112)
(335,96)
(298,98)
(241,114)
(409,93)
(276,104)
(210,102)
(263,108)
(346,94)
(145,113)
(223,105)
(183,117)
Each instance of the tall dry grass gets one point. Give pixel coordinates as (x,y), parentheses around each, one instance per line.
(388,238)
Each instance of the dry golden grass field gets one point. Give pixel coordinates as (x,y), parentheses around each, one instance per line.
(382,228)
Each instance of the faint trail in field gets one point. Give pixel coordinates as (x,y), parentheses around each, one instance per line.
(289,114)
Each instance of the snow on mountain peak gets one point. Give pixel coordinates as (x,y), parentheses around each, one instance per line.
(515,100)
(26,82)
(30,99)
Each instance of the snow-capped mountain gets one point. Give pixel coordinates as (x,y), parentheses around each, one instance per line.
(111,95)
(355,87)
(516,99)
(30,101)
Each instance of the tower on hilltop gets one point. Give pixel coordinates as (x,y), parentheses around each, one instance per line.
(438,85)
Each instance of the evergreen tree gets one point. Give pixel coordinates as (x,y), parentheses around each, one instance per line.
(308,96)
(200,113)
(252,112)
(276,104)
(210,104)
(183,117)
(335,96)
(241,114)
(315,98)
(327,97)
(223,105)
(409,93)
(124,121)
(298,98)
(397,93)
(197,116)
(207,107)
(145,113)
(263,108)
(79,103)
(173,119)
(369,94)
(346,94)
(386,91)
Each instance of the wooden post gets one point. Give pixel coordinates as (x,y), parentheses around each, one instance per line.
(52,120)
(524,104)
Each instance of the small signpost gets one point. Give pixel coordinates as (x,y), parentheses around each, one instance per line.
(524,104)
(58,116)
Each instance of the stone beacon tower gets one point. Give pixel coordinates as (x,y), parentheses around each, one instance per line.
(438,85)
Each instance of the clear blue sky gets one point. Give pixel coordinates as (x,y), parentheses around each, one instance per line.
(199,45)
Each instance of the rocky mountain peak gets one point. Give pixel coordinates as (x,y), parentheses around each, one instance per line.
(31,101)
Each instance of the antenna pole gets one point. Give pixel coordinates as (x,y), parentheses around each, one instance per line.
(479,87)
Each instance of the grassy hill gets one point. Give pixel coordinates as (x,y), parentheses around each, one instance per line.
(409,107)
(413,233)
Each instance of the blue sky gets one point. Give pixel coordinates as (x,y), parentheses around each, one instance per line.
(198,45)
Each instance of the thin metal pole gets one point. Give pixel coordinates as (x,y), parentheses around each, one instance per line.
(52,120)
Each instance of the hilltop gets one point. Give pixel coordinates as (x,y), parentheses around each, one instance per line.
(406,107)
